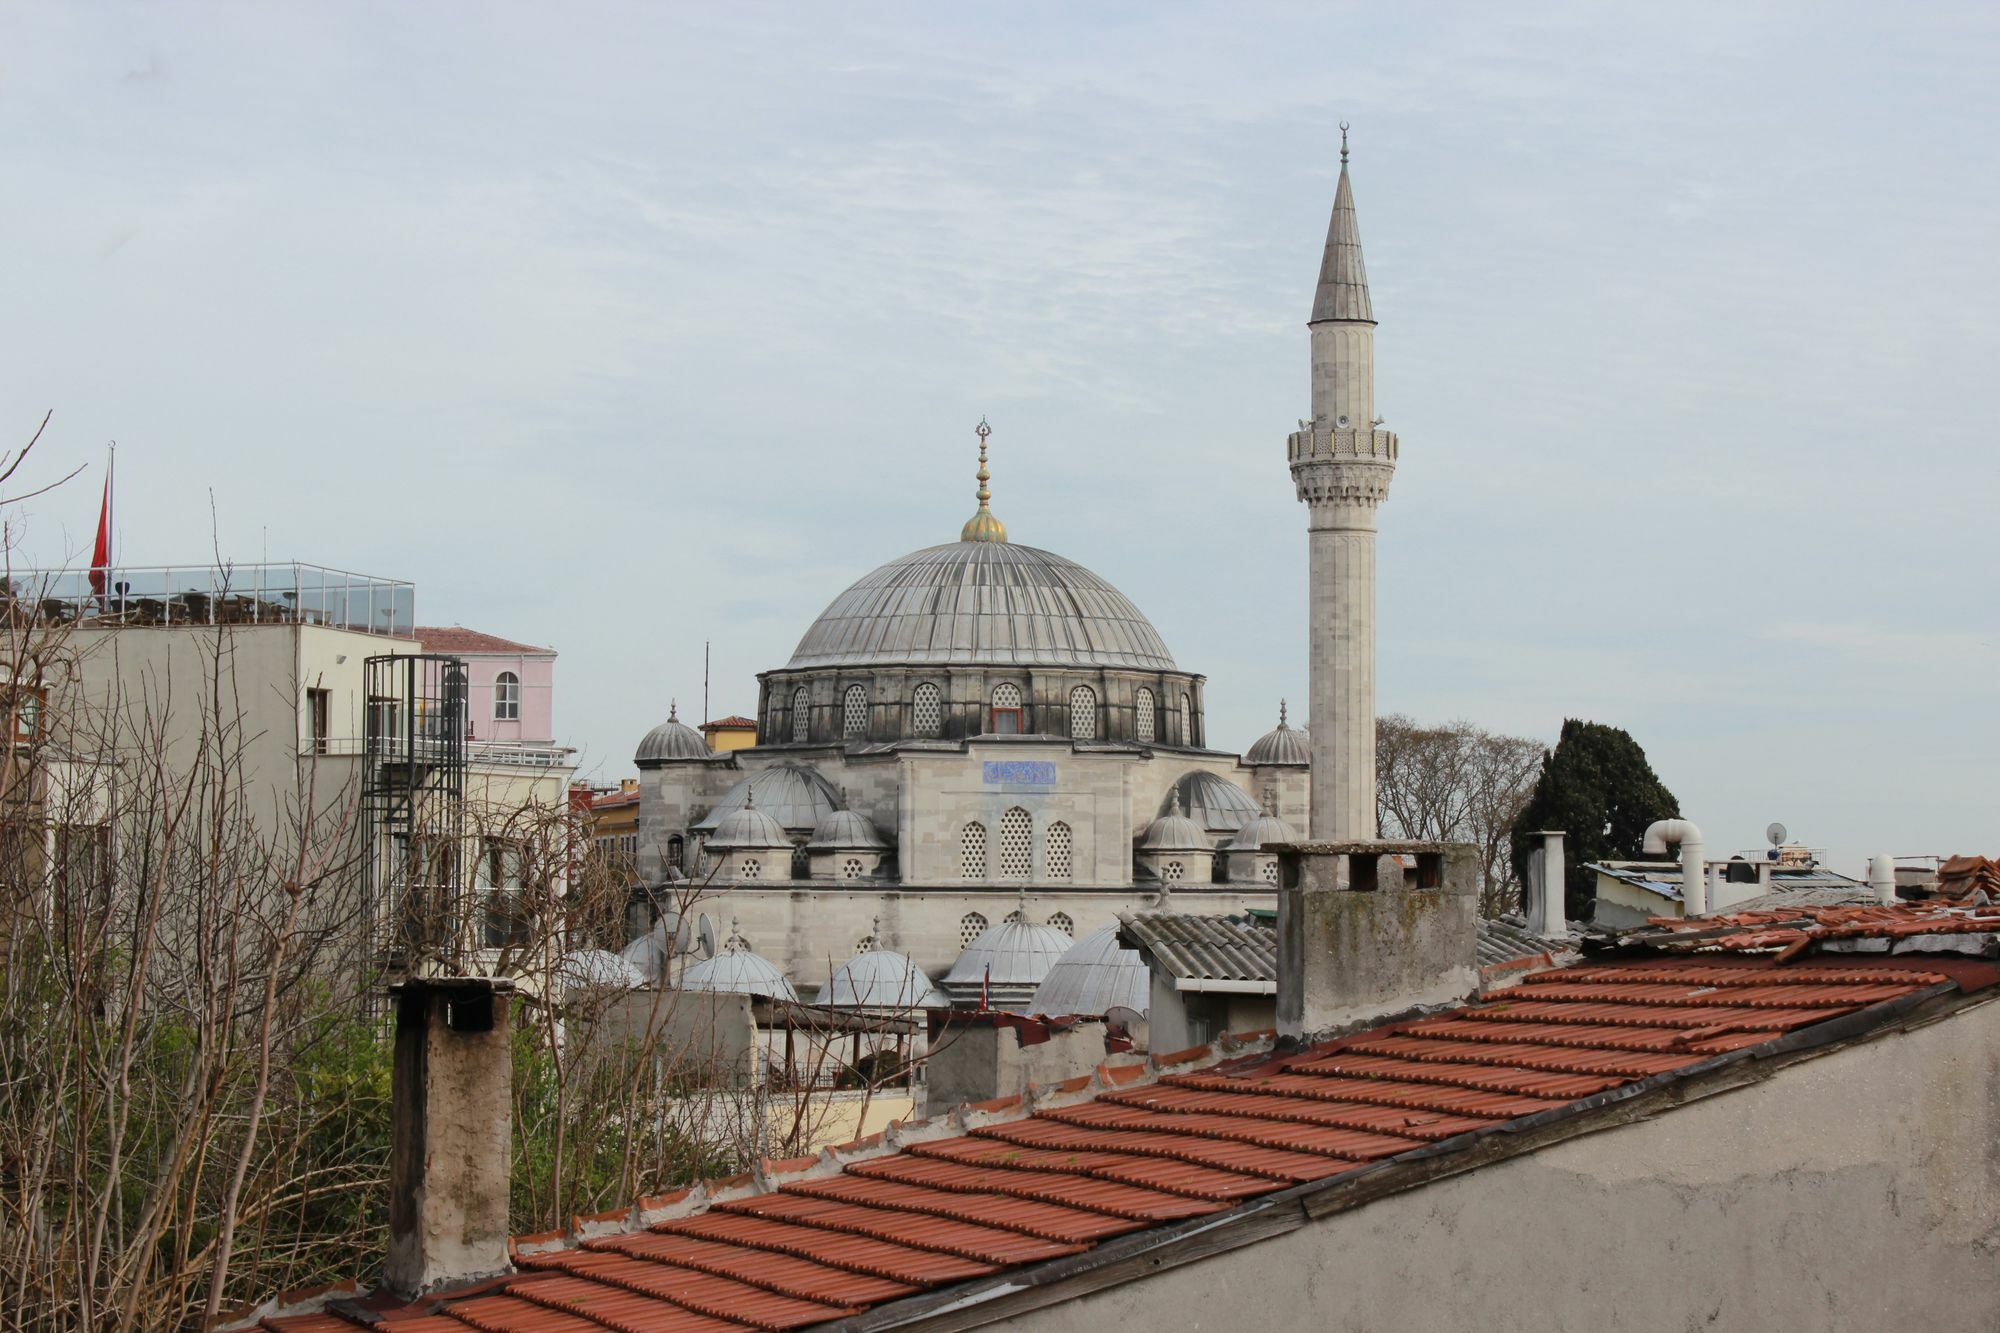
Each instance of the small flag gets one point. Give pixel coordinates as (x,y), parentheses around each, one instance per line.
(100,555)
(985,986)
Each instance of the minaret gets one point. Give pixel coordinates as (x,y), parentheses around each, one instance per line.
(1341,463)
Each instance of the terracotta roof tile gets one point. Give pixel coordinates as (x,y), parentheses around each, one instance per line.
(689,1288)
(774,1272)
(861,1254)
(1031,1217)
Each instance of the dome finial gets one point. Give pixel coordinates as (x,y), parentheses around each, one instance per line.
(1343,143)
(673,710)
(983,526)
(1282,724)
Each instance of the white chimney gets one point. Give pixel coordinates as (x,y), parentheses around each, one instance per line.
(1661,834)
(1546,915)
(1882,879)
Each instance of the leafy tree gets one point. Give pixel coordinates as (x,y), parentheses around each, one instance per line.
(1597,787)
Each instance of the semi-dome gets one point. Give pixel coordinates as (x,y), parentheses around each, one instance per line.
(746,828)
(845,830)
(1261,832)
(1283,744)
(1096,975)
(882,979)
(739,972)
(1013,953)
(671,740)
(982,601)
(1214,802)
(795,795)
(1174,831)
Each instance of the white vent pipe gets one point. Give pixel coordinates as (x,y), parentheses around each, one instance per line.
(1662,833)
(1882,879)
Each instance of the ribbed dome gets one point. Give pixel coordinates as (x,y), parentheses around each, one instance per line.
(739,972)
(745,828)
(1096,975)
(1215,803)
(793,794)
(882,979)
(844,830)
(984,602)
(1260,833)
(672,739)
(1175,832)
(1283,744)
(1018,954)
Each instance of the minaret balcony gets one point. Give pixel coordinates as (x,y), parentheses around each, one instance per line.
(1315,440)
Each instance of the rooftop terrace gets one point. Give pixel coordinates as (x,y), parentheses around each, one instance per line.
(284,593)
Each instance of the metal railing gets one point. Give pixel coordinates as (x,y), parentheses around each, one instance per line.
(286,593)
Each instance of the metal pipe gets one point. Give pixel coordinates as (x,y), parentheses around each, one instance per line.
(1662,833)
(1882,879)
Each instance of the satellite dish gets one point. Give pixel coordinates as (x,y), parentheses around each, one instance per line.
(707,935)
(1776,833)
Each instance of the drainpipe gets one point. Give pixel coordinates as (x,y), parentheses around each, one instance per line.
(1882,879)
(1663,832)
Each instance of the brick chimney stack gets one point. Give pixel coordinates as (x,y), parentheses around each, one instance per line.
(452,1104)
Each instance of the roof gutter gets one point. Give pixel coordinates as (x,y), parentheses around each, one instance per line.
(1225,986)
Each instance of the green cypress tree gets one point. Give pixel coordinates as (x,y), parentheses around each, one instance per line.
(1597,787)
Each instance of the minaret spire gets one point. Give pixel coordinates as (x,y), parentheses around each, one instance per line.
(1343,278)
(984,525)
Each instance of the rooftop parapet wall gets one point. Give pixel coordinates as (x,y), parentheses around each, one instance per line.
(1360,940)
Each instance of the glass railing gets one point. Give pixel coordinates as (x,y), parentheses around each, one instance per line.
(288,593)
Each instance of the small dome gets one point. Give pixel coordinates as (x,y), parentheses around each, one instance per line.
(739,972)
(598,969)
(1018,954)
(882,979)
(1174,831)
(746,828)
(1214,803)
(1283,744)
(844,830)
(793,794)
(1259,833)
(1096,975)
(672,739)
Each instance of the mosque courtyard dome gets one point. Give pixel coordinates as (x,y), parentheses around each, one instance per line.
(1013,953)
(1213,802)
(671,740)
(739,972)
(1096,975)
(1283,744)
(748,828)
(881,979)
(797,796)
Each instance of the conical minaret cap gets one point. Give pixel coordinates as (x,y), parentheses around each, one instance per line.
(1343,278)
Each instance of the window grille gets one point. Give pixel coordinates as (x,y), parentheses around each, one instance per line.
(1083,713)
(864,944)
(1187,720)
(1269,870)
(851,868)
(1145,706)
(801,863)
(927,710)
(972,851)
(854,712)
(970,927)
(1062,922)
(1012,918)
(1173,872)
(801,715)
(1055,851)
(748,868)
(507,697)
(1015,853)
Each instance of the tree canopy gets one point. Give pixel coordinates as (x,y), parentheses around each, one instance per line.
(1597,787)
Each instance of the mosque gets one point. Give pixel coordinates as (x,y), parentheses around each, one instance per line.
(982,751)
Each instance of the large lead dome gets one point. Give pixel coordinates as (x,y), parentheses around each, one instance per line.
(982,601)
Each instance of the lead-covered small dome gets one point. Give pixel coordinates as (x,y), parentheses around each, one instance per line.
(1261,832)
(1212,801)
(670,741)
(882,979)
(845,831)
(1174,831)
(1012,953)
(1096,975)
(746,828)
(739,972)
(795,795)
(1282,744)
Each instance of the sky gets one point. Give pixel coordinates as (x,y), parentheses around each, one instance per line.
(630,328)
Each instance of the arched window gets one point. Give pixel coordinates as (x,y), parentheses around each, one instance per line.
(675,849)
(927,710)
(1083,713)
(1173,872)
(1055,851)
(801,715)
(1006,710)
(801,863)
(506,697)
(1013,918)
(1015,854)
(1062,922)
(970,927)
(854,713)
(851,868)
(1187,720)
(864,944)
(972,851)
(1144,708)
(749,869)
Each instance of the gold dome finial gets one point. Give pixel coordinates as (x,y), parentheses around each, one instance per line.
(983,526)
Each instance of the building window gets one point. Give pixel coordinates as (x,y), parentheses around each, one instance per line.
(1015,855)
(1187,720)
(972,851)
(927,710)
(854,713)
(970,927)
(1006,710)
(864,944)
(801,715)
(319,716)
(1083,714)
(1013,918)
(1143,707)
(851,868)
(676,848)
(506,697)
(1061,921)
(503,875)
(1269,870)
(1173,872)
(1055,851)
(801,863)
(748,868)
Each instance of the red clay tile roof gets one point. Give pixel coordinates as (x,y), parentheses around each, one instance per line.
(935,1211)
(458,639)
(1871,928)
(731,724)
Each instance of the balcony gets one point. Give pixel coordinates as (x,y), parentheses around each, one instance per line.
(287,593)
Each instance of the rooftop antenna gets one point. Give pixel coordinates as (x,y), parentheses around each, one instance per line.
(704,682)
(1776,833)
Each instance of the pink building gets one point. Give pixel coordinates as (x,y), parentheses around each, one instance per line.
(511,685)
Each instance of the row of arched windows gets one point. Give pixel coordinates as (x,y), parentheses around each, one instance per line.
(1004,718)
(1016,848)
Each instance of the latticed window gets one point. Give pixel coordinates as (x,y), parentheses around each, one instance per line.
(972,851)
(1083,713)
(1144,707)
(1006,709)
(854,712)
(801,715)
(1016,853)
(1013,918)
(864,944)
(801,863)
(1187,720)
(1062,922)
(1269,871)
(1055,851)
(970,927)
(927,710)
(851,868)
(749,869)
(1173,872)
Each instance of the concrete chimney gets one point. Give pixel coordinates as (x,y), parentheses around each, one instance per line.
(452,1104)
(1547,915)
(1355,945)
(1882,879)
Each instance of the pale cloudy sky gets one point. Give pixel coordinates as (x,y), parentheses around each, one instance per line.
(624,327)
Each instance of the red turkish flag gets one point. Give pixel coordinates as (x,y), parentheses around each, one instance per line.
(100,555)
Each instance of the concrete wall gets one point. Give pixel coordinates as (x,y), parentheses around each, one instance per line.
(536,672)
(1858,1191)
(978,1062)
(1180,1019)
